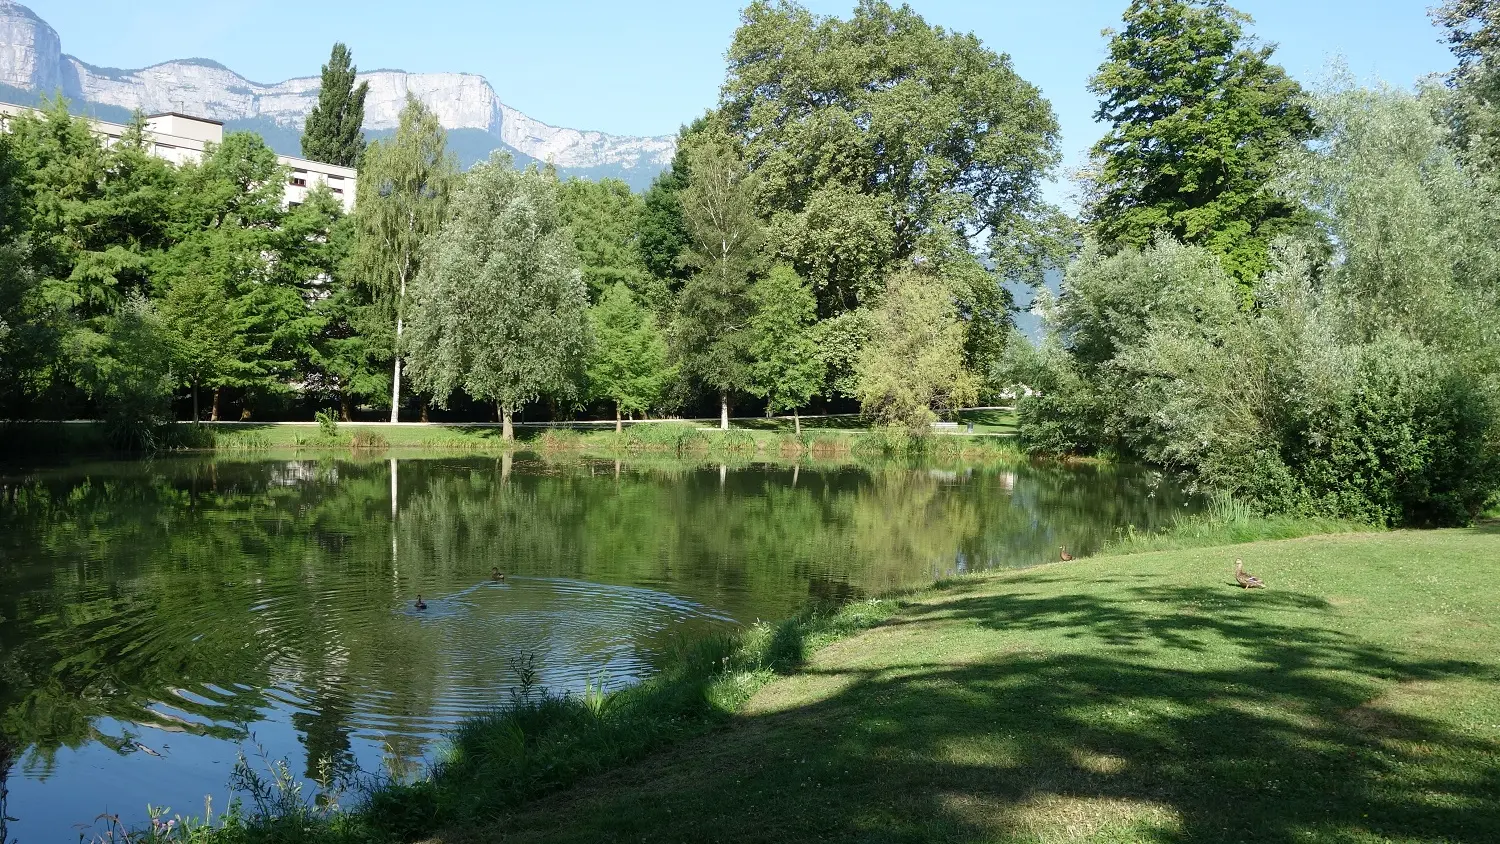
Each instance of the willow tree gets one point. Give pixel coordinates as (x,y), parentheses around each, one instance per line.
(405,185)
(500,308)
(913,366)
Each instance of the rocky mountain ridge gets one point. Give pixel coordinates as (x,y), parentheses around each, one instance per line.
(32,60)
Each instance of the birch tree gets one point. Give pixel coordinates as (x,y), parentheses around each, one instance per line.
(404,189)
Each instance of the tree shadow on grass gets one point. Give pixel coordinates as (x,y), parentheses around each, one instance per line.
(1153,714)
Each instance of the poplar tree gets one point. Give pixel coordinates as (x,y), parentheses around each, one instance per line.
(1200,118)
(405,183)
(334,133)
(501,311)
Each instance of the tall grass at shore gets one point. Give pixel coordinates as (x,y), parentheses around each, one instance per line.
(1227,521)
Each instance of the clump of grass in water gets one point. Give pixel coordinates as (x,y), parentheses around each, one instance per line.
(1227,521)
(367,440)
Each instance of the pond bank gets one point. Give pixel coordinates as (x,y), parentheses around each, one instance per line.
(1112,699)
(1118,698)
(62,439)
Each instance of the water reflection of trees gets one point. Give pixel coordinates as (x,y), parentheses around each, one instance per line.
(125,584)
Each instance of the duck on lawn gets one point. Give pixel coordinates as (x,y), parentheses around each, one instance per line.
(1066,557)
(1244,578)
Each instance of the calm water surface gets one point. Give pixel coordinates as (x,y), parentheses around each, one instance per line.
(159,618)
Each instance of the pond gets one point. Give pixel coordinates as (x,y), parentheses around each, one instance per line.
(159,618)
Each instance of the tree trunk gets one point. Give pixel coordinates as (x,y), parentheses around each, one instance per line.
(619,426)
(797,421)
(396,384)
(400,327)
(724,411)
(424,410)
(214,412)
(195,402)
(508,433)
(506,460)
(344,408)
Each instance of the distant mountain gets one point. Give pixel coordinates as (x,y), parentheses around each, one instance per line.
(33,65)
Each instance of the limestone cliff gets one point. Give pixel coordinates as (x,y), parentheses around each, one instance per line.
(31,60)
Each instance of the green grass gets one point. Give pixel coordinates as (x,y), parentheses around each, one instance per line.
(990,421)
(1113,699)
(271,435)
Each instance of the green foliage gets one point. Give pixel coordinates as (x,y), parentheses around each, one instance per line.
(912,369)
(334,131)
(881,137)
(1199,117)
(500,307)
(128,369)
(661,233)
(628,363)
(787,369)
(1361,387)
(328,424)
(604,218)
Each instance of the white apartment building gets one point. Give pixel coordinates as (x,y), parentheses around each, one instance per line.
(181,138)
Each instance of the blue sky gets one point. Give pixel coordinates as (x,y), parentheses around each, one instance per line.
(644,67)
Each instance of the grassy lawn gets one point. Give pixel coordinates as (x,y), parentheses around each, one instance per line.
(1141,698)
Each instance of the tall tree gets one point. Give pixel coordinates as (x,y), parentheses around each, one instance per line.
(628,364)
(406,181)
(788,369)
(501,310)
(880,138)
(1199,117)
(334,131)
(235,285)
(711,337)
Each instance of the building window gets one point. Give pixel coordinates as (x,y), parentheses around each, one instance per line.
(298,182)
(339,191)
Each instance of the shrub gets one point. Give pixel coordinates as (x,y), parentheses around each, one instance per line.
(328,424)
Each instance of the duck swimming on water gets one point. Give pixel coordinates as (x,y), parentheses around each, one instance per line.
(497,574)
(420,604)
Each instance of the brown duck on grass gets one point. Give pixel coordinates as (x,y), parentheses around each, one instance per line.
(1245,579)
(1066,557)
